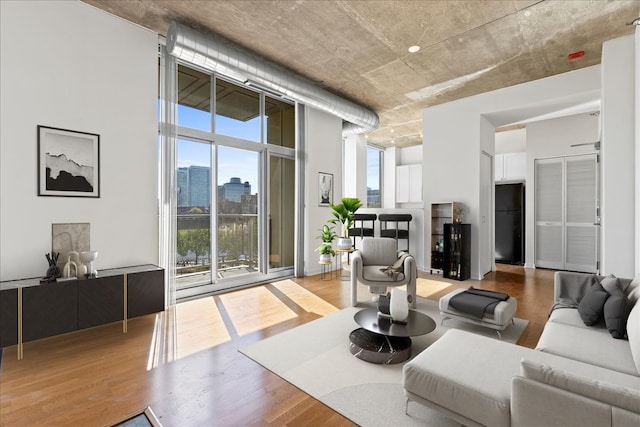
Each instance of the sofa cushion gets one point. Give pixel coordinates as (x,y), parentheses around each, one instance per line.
(373,273)
(570,316)
(610,284)
(591,306)
(601,391)
(633,334)
(633,290)
(616,312)
(588,345)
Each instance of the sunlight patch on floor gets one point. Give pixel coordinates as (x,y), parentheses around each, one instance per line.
(199,326)
(254,309)
(185,329)
(304,298)
(425,287)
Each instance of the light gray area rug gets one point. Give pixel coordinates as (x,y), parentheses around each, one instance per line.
(315,357)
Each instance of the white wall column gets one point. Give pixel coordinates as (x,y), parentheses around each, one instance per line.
(323,134)
(355,167)
(637,223)
(619,116)
(389,178)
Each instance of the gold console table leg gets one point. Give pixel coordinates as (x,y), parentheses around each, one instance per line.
(20,347)
(124,319)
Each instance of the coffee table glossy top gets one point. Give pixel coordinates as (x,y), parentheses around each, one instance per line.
(417,323)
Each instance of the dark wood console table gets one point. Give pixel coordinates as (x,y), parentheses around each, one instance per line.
(30,310)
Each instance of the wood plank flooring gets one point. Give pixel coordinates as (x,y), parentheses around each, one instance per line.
(184,362)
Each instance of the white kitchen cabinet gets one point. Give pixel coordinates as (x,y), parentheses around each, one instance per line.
(409,183)
(511,167)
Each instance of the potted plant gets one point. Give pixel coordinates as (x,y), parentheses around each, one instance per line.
(326,236)
(344,214)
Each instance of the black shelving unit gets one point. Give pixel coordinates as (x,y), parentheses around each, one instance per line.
(441,213)
(457,251)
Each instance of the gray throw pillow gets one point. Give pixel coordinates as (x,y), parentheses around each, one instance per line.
(591,306)
(616,312)
(610,284)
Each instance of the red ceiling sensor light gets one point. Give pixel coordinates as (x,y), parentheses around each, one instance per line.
(576,55)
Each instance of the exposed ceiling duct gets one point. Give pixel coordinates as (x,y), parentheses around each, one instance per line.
(221,56)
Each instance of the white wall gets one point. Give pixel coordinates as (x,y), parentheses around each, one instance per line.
(323,135)
(637,146)
(355,167)
(484,256)
(66,64)
(391,156)
(619,119)
(553,138)
(410,155)
(512,141)
(453,141)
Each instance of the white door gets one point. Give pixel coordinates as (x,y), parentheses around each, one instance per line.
(549,196)
(581,222)
(487,252)
(566,213)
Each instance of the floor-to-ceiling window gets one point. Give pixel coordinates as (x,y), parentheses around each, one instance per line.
(234,180)
(374,177)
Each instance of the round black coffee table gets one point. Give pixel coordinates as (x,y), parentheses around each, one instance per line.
(379,340)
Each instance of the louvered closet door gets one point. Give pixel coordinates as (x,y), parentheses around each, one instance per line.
(581,231)
(549,195)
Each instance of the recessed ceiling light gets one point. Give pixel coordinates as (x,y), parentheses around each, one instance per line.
(414,49)
(527,13)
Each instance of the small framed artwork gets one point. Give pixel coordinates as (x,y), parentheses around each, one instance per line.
(325,188)
(68,163)
(70,237)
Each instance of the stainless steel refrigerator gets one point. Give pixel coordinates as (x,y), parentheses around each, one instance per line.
(510,223)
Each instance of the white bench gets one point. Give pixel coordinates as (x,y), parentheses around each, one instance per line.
(501,317)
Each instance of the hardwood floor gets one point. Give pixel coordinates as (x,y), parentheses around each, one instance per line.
(184,363)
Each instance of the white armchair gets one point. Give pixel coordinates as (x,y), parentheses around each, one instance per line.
(367,263)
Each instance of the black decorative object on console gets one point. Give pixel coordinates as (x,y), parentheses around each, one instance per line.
(53,271)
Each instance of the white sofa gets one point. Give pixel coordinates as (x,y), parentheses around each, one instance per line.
(577,376)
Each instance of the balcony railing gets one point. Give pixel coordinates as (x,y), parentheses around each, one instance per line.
(237,241)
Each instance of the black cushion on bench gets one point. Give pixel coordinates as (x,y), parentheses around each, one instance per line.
(477,302)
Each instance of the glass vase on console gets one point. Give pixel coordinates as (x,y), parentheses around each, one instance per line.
(87,258)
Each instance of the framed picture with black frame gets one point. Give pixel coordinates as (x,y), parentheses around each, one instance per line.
(325,189)
(68,163)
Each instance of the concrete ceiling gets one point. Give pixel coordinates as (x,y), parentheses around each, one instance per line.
(358,49)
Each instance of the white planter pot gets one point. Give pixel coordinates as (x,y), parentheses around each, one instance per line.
(325,258)
(344,243)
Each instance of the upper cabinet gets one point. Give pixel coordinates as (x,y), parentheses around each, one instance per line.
(511,167)
(409,183)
